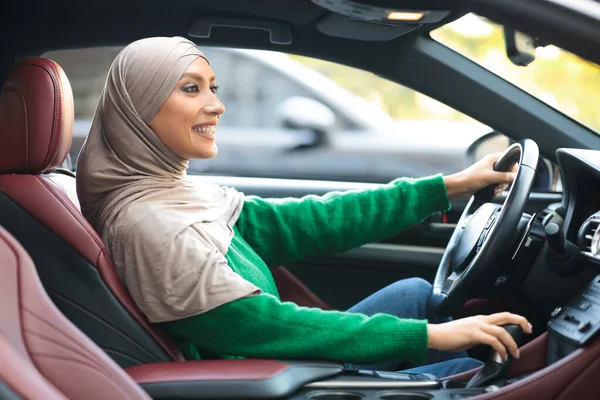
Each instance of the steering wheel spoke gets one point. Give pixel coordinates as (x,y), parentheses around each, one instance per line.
(451,282)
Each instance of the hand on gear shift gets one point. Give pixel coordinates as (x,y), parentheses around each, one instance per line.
(495,370)
(465,333)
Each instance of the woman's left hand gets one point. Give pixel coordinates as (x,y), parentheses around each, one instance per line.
(478,176)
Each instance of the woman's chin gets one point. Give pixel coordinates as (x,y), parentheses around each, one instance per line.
(207,152)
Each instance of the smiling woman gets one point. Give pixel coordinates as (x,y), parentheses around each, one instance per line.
(187,121)
(196,259)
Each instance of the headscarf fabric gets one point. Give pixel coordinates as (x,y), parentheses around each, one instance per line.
(166,236)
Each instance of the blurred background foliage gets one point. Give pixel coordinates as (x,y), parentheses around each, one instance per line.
(556,77)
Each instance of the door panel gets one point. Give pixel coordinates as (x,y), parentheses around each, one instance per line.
(341,280)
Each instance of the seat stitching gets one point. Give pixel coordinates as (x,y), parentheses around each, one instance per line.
(100,318)
(50,330)
(3,237)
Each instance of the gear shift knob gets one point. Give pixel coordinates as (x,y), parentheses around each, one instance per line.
(495,369)
(517,334)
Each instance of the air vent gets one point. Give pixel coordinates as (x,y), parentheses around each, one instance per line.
(586,240)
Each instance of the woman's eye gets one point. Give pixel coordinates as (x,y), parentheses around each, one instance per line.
(191,89)
(214,89)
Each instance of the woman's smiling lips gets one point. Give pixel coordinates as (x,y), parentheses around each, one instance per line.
(205,130)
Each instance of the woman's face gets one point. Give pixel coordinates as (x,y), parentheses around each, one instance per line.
(187,121)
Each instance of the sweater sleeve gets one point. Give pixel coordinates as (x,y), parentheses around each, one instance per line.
(286,230)
(262,326)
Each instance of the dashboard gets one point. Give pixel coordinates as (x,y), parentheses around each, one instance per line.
(574,322)
(581,179)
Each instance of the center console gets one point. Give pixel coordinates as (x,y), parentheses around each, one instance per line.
(372,385)
(572,326)
(271,379)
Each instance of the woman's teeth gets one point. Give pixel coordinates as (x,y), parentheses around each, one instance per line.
(206,130)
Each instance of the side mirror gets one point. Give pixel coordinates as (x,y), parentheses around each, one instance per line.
(305,113)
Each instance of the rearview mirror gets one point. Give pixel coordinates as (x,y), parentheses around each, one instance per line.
(520,48)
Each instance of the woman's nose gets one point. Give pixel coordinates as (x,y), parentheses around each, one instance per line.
(215,107)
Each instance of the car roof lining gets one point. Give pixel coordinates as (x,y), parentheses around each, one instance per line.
(161,18)
(158,18)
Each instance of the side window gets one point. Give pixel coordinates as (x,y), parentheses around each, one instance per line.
(248,89)
(86,70)
(300,118)
(254,83)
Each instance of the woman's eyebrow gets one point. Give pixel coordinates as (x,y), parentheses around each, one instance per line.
(196,76)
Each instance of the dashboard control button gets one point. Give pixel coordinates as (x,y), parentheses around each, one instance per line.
(584,326)
(572,319)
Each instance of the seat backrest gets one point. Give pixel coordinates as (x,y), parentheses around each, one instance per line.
(43,339)
(19,378)
(36,120)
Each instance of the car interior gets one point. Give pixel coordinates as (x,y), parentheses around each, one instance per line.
(69,329)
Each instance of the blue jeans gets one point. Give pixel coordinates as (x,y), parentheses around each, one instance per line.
(409,298)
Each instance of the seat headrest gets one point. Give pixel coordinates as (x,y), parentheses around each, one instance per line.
(36,117)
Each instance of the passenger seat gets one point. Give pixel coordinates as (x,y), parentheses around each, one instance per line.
(43,355)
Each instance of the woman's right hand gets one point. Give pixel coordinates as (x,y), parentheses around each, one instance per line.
(465,333)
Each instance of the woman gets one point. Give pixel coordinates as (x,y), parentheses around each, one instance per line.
(196,259)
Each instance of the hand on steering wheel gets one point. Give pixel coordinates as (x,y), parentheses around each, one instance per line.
(478,176)
(482,241)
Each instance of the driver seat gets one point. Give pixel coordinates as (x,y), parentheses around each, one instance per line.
(36,115)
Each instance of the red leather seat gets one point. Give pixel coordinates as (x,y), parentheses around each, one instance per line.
(20,379)
(43,354)
(36,115)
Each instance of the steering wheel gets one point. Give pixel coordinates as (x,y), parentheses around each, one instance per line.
(485,233)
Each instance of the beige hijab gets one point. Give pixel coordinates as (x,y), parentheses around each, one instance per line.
(167,237)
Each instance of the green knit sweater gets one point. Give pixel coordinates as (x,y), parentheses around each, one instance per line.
(272,232)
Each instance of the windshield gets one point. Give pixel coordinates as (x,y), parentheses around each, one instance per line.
(564,81)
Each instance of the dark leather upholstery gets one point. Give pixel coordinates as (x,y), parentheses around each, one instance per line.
(292,289)
(211,370)
(45,340)
(36,115)
(573,377)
